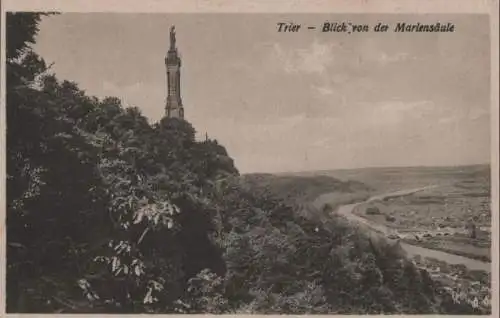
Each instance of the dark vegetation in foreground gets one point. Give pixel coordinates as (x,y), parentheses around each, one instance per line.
(109,214)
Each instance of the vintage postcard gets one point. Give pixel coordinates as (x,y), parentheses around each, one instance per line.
(298,158)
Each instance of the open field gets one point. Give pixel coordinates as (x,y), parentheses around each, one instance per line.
(384,180)
(302,190)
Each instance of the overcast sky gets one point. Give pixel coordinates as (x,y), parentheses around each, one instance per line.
(294,101)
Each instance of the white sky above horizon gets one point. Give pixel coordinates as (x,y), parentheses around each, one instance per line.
(294,101)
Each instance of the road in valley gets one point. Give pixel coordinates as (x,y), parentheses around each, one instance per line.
(347,212)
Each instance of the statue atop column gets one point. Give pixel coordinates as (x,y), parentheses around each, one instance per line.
(173,105)
(172,37)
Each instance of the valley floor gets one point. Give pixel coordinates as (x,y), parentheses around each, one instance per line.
(447,268)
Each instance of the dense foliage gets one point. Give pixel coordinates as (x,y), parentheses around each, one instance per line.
(95,195)
(107,213)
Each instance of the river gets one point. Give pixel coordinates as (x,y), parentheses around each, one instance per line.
(411,250)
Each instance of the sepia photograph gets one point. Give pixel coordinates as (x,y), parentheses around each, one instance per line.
(248,163)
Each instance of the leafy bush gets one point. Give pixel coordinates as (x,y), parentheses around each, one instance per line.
(372,210)
(106,213)
(390,218)
(327,208)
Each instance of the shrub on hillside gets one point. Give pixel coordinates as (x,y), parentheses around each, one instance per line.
(390,218)
(327,208)
(372,210)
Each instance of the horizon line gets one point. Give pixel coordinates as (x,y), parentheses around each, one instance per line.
(375,167)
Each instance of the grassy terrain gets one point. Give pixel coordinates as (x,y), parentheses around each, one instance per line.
(301,191)
(390,179)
